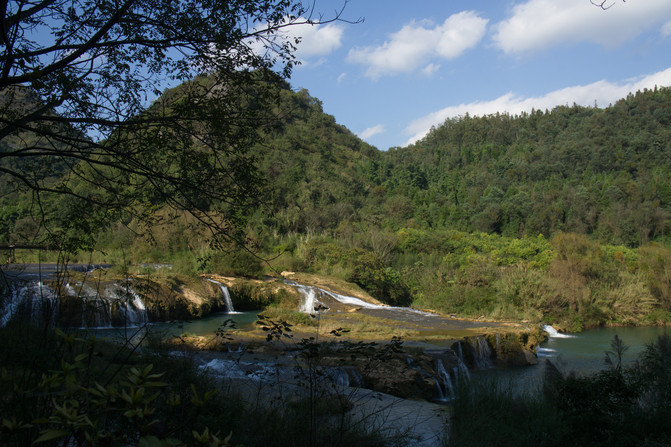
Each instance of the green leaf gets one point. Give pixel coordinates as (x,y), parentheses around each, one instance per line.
(48,435)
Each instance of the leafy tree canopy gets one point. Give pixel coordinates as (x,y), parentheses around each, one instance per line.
(76,78)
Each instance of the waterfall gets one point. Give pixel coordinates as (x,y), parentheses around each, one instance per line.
(482,352)
(447,390)
(461,370)
(352,300)
(309,293)
(338,376)
(228,303)
(95,310)
(310,301)
(119,305)
(34,300)
(485,351)
(553,333)
(345,376)
(126,308)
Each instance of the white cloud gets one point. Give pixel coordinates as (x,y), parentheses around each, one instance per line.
(315,40)
(416,43)
(430,69)
(371,131)
(341,77)
(601,92)
(538,24)
(666,29)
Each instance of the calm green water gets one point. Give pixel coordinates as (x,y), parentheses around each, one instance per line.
(208,325)
(581,353)
(204,326)
(585,352)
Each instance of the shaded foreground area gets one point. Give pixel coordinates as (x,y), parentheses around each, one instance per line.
(62,389)
(72,388)
(615,407)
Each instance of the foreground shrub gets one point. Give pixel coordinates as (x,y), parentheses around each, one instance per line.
(614,407)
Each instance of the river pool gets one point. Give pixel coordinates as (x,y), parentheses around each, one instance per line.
(581,353)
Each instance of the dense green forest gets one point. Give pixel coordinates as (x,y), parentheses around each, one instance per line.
(560,216)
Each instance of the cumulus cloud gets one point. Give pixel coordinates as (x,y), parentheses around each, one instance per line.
(416,43)
(315,40)
(602,92)
(375,130)
(538,24)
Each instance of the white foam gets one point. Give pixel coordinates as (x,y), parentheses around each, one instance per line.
(553,333)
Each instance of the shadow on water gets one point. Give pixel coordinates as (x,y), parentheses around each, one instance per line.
(206,326)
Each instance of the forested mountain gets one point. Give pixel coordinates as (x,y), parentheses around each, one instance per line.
(545,216)
(601,172)
(313,166)
(605,173)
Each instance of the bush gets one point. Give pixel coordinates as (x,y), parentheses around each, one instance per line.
(88,400)
(237,263)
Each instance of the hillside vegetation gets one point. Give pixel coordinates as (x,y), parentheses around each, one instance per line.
(559,216)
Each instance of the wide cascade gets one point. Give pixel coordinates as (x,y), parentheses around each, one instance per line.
(34,301)
(74,304)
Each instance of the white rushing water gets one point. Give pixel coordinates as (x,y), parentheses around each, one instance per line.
(228,303)
(553,333)
(129,307)
(34,300)
(446,392)
(309,293)
(311,296)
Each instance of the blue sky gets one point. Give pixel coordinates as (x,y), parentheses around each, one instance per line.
(411,64)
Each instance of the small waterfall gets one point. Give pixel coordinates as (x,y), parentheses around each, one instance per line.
(338,376)
(461,370)
(352,301)
(447,390)
(310,301)
(126,308)
(484,353)
(228,303)
(345,376)
(553,333)
(95,310)
(479,352)
(35,300)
